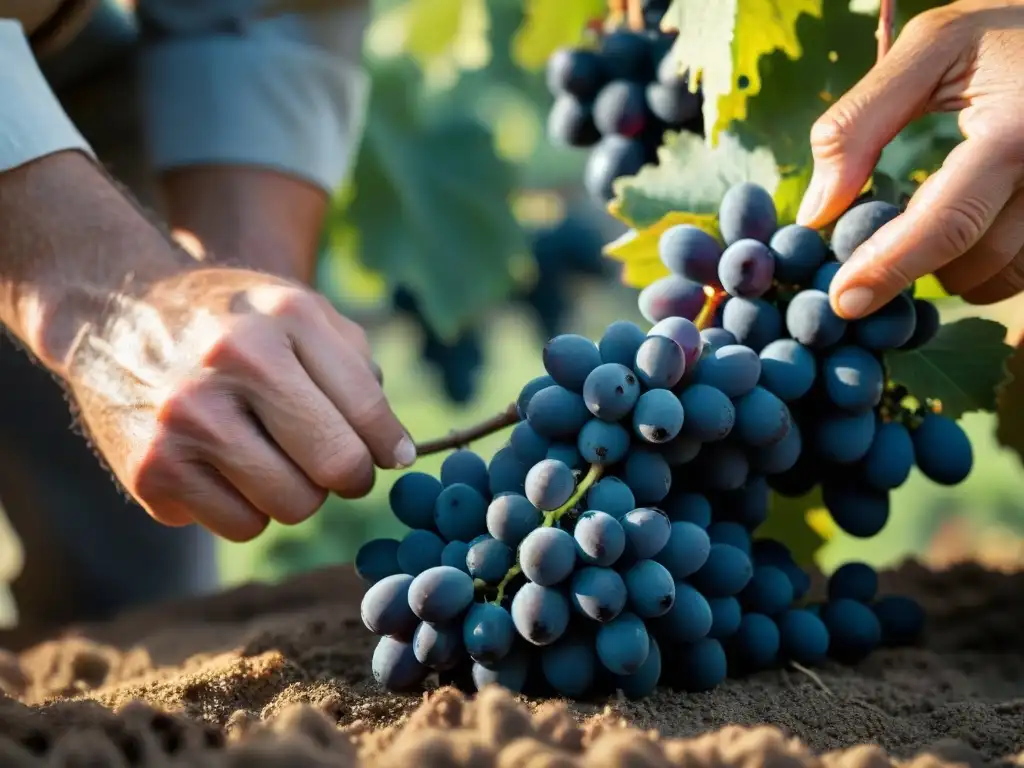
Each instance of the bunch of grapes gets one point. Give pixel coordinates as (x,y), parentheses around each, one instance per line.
(620,98)
(612,543)
(853,431)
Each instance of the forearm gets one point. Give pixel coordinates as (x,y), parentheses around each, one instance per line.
(67,235)
(248,216)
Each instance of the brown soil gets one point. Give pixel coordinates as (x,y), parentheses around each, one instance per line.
(279,676)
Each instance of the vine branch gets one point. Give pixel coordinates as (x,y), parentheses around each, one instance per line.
(460,438)
(886,26)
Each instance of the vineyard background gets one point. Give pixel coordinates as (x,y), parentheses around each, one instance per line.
(455,174)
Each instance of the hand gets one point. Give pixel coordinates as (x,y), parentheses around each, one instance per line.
(229,397)
(966,222)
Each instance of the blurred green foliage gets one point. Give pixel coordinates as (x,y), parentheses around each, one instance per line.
(457,126)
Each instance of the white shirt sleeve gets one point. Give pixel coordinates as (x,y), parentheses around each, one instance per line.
(221,85)
(32,122)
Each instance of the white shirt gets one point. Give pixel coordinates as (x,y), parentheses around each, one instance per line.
(219,83)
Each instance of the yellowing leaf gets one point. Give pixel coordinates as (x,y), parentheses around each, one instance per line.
(798,523)
(442,35)
(432,26)
(790,192)
(550,25)
(638,249)
(821,522)
(929,287)
(722,43)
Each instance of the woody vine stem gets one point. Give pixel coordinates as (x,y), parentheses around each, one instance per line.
(631,12)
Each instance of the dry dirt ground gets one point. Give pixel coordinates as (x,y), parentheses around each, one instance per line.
(279,676)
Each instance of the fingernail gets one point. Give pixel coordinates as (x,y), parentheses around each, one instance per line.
(855,302)
(813,199)
(405,453)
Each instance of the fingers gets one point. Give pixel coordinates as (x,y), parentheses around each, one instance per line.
(352,333)
(217,505)
(848,139)
(351,384)
(174,488)
(1005,284)
(989,264)
(297,415)
(265,476)
(947,216)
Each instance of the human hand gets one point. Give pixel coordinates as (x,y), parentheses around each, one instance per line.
(966,222)
(230,397)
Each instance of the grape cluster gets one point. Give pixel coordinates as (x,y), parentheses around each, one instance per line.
(852,431)
(619,99)
(611,543)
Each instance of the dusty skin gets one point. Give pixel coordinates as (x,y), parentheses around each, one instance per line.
(279,676)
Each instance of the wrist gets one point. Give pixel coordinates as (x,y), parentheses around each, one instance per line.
(249,217)
(70,244)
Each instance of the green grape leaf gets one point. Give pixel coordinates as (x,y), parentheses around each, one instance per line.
(836,50)
(690,177)
(961,367)
(920,148)
(431,203)
(722,43)
(550,25)
(1010,402)
(800,523)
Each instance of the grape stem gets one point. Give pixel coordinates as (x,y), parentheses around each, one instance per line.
(886,26)
(635,15)
(711,304)
(550,518)
(460,438)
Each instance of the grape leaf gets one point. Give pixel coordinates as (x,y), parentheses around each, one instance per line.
(796,523)
(1010,404)
(722,42)
(550,25)
(836,51)
(432,203)
(690,177)
(961,367)
(921,148)
(638,249)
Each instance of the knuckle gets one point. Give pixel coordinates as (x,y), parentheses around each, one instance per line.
(833,132)
(245,528)
(158,470)
(187,413)
(300,506)
(340,463)
(295,303)
(237,352)
(962,223)
(371,411)
(930,23)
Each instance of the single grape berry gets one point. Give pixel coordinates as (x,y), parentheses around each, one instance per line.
(549,484)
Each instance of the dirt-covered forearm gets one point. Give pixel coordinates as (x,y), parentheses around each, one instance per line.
(70,242)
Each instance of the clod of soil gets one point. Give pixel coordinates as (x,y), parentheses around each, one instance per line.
(279,676)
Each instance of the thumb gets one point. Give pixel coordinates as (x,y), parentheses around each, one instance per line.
(947,215)
(848,139)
